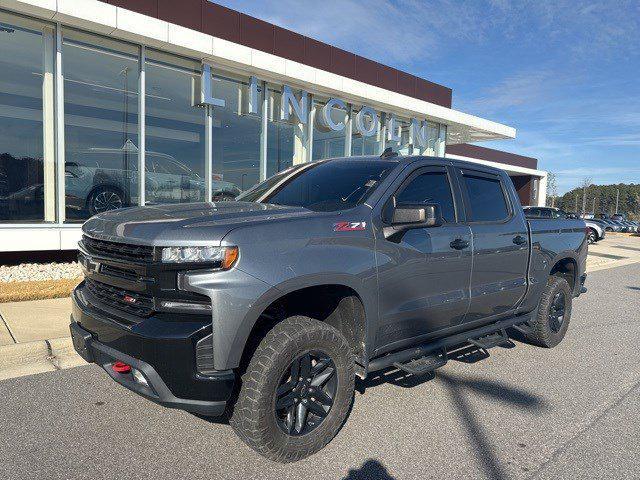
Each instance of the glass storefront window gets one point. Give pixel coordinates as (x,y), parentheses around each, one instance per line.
(235,139)
(174,131)
(286,141)
(366,145)
(328,143)
(402,127)
(101,124)
(23,179)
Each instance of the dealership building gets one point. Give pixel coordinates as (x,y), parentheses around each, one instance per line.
(107,104)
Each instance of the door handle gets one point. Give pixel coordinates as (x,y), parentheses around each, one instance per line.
(519,240)
(459,244)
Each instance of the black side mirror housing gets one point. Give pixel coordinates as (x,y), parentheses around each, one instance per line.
(418,215)
(409,216)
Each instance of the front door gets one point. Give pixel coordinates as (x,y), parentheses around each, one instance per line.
(423,273)
(500,244)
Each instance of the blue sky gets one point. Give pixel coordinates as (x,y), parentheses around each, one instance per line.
(566,74)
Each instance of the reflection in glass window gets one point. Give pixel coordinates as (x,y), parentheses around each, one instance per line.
(236,139)
(175,131)
(328,143)
(101,124)
(21,142)
(286,141)
(330,185)
(361,145)
(430,188)
(402,128)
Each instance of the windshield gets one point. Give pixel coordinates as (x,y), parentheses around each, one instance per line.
(325,186)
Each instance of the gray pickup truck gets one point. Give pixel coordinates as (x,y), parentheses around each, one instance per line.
(265,309)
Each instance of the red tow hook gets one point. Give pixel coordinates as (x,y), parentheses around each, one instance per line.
(121,367)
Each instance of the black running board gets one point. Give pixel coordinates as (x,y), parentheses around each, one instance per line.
(482,337)
(425,364)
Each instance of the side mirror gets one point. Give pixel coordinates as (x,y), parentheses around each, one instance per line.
(406,217)
(418,215)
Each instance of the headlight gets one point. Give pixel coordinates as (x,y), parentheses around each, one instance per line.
(225,257)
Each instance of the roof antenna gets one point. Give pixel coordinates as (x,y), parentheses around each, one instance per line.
(388,153)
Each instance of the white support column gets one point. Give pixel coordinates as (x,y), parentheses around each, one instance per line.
(348,132)
(264,125)
(542,191)
(48,123)
(382,132)
(310,129)
(142,146)
(59,127)
(442,140)
(208,155)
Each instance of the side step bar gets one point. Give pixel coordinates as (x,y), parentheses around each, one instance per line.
(492,340)
(422,357)
(425,364)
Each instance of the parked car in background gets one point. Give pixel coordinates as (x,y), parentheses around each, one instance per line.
(621,226)
(631,227)
(103,179)
(596,231)
(610,225)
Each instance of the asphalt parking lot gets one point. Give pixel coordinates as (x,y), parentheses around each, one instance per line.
(525,412)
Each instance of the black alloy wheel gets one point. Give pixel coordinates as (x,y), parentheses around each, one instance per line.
(305,394)
(106,199)
(296,391)
(550,323)
(557,311)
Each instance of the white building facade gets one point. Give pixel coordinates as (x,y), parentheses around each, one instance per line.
(103,106)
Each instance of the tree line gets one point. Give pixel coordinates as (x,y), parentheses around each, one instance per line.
(590,198)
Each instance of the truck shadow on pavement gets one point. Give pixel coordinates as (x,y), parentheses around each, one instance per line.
(461,390)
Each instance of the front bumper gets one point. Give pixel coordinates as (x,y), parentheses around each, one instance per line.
(162,349)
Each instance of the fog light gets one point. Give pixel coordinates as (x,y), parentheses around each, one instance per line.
(139,378)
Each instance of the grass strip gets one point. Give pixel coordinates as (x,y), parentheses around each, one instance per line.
(37,290)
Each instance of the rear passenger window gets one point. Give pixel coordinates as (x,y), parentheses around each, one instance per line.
(430,187)
(486,198)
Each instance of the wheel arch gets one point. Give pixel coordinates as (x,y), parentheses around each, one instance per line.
(338,303)
(567,268)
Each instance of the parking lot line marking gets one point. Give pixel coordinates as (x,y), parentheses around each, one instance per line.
(13,337)
(607,255)
(627,248)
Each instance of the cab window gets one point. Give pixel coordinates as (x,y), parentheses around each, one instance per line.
(430,188)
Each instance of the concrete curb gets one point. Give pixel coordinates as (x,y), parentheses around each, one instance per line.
(36,357)
(23,353)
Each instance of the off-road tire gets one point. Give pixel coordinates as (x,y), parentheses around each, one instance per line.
(539,331)
(253,417)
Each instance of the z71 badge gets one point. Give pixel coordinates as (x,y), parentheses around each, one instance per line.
(349,226)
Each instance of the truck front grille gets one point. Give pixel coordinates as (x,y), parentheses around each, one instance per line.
(121,251)
(124,300)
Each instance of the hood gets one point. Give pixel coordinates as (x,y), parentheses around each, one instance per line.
(176,224)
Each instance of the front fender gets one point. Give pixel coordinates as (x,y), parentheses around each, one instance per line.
(238,300)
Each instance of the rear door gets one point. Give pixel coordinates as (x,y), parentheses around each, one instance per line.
(500,244)
(423,273)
